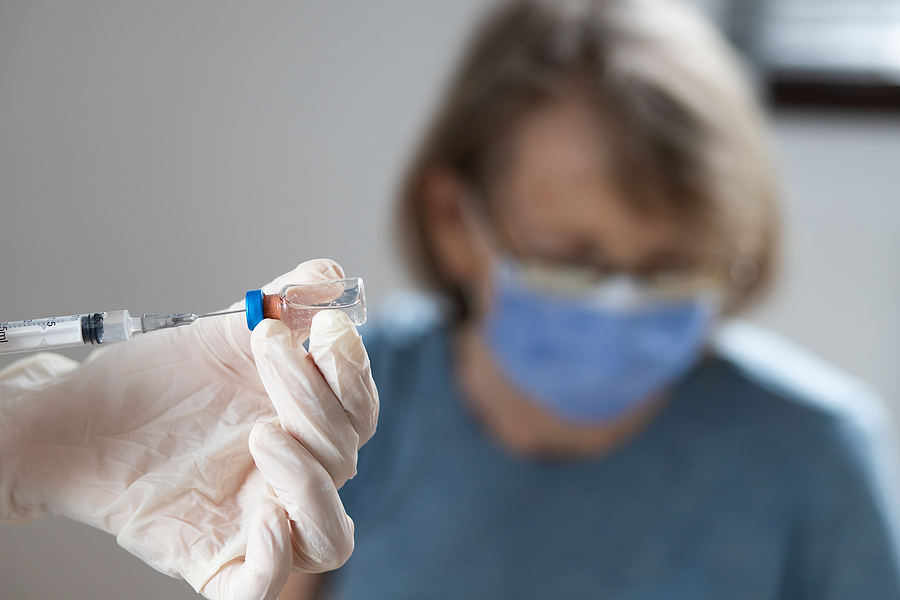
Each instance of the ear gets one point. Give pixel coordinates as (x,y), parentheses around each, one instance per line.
(444,193)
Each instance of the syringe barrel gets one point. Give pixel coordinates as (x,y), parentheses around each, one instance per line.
(65,332)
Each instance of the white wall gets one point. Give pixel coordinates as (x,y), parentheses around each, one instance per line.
(840,290)
(168,156)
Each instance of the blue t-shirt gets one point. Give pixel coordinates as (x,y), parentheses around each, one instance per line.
(733,491)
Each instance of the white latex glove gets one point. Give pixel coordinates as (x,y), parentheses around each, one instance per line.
(171,443)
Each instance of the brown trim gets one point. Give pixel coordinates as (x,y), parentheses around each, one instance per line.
(825,93)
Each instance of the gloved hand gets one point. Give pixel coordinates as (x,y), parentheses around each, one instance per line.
(172,443)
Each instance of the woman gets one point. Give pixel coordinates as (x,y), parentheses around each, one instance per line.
(593,197)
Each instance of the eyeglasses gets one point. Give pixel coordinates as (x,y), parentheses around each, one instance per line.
(714,277)
(567,279)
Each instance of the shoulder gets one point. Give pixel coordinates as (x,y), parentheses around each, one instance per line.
(406,320)
(399,337)
(795,381)
(407,343)
(837,422)
(783,367)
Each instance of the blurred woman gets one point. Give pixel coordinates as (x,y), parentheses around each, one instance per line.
(593,197)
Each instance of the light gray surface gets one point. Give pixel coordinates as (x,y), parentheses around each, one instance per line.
(168,156)
(840,291)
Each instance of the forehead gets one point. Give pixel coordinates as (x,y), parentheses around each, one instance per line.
(560,181)
(558,156)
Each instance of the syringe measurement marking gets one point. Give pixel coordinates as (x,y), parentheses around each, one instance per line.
(44,324)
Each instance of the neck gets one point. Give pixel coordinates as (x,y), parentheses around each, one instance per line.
(525,428)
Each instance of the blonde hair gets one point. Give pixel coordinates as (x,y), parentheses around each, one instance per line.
(670,90)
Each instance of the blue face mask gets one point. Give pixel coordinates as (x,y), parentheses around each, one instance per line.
(598,355)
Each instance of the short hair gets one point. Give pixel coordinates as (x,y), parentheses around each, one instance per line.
(671,93)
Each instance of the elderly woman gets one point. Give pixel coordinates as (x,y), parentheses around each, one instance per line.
(593,197)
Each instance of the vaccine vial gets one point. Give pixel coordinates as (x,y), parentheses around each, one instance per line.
(295,305)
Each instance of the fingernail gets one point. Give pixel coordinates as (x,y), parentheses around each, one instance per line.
(334,332)
(264,434)
(332,270)
(271,331)
(329,324)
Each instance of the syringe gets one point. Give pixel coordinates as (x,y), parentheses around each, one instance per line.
(295,305)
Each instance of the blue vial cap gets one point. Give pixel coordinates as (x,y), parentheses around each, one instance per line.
(253,302)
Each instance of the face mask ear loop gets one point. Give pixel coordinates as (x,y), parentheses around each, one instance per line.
(478,222)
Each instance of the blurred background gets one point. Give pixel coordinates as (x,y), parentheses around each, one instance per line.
(169,156)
